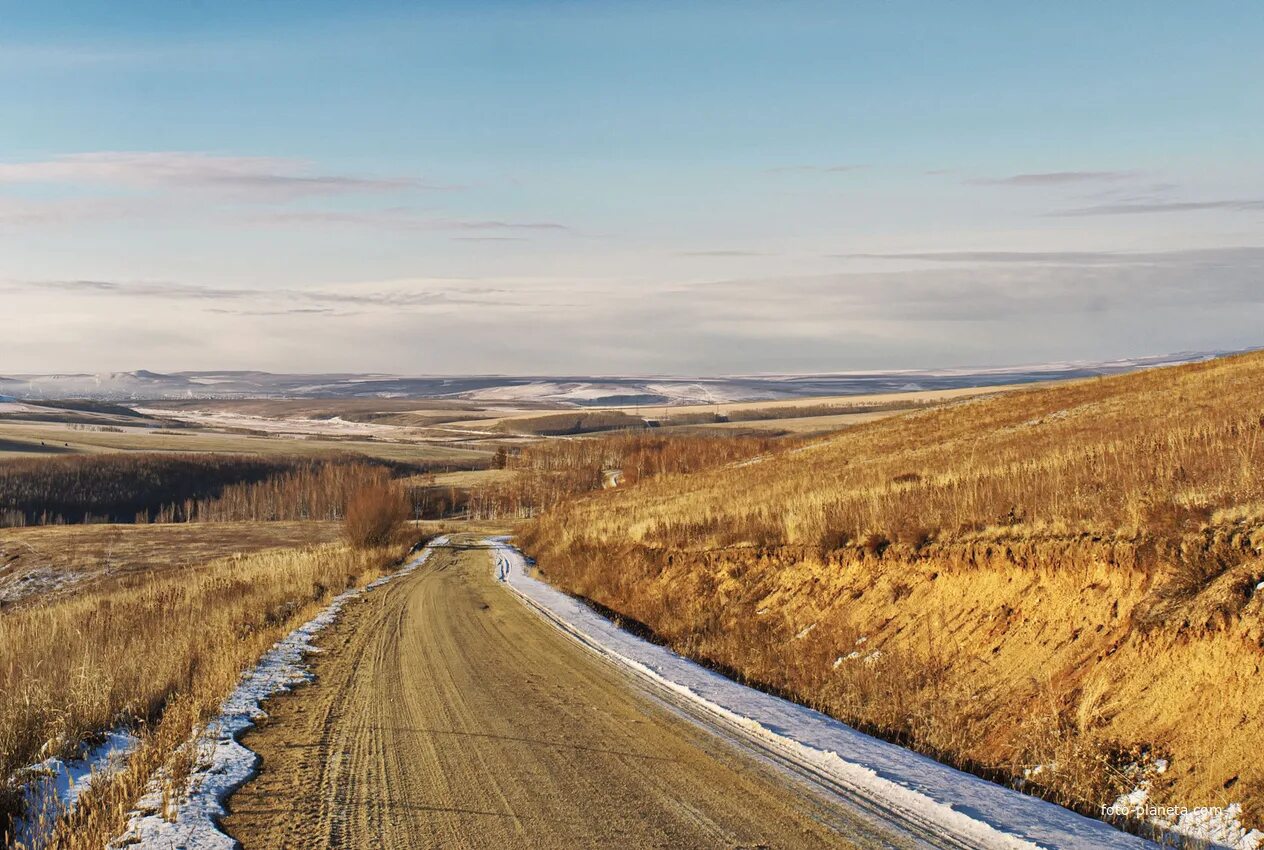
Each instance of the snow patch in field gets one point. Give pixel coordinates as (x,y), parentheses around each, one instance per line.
(222,764)
(283,426)
(53,786)
(910,787)
(35,581)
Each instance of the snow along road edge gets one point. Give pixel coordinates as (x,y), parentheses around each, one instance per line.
(223,764)
(923,794)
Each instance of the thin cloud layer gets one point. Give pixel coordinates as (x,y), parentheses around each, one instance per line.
(1143,207)
(966,314)
(406,219)
(1055,178)
(266,178)
(961,316)
(1247,256)
(816,169)
(735,252)
(402,296)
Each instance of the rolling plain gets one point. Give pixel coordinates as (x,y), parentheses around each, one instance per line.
(1052,587)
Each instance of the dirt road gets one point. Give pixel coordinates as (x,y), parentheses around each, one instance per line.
(445,714)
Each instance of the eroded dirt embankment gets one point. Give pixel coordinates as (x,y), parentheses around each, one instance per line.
(1068,660)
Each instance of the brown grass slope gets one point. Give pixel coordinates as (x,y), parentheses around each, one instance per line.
(1062,577)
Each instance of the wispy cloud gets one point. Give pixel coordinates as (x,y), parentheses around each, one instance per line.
(815,169)
(24,212)
(260,178)
(1238,255)
(285,311)
(489,239)
(1142,207)
(500,225)
(980,294)
(722,253)
(407,219)
(1055,178)
(292,300)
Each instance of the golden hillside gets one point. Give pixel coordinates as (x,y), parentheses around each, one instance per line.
(1058,579)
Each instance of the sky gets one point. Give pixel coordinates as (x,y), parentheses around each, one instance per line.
(642,187)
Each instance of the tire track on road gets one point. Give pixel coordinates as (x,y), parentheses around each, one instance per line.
(447,714)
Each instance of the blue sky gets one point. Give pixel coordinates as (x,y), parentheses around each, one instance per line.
(627,187)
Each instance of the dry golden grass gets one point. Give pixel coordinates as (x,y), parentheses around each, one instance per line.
(463,478)
(159,657)
(1057,576)
(1120,456)
(43,561)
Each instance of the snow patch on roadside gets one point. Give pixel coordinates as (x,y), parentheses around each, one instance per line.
(222,764)
(1219,826)
(53,786)
(910,787)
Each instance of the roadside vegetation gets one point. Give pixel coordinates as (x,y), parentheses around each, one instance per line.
(158,659)
(1058,587)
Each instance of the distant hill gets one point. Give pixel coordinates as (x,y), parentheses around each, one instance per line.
(578,390)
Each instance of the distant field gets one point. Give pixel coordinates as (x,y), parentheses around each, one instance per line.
(798,425)
(464,478)
(571,423)
(457,431)
(506,419)
(348,407)
(26,448)
(26,439)
(912,398)
(315,407)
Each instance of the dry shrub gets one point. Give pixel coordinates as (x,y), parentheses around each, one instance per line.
(875,543)
(375,514)
(1063,755)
